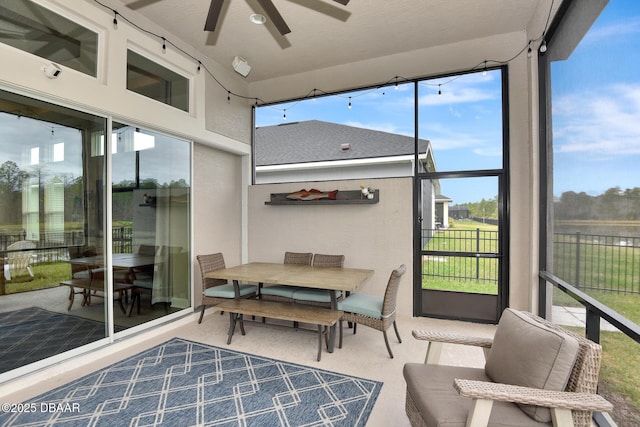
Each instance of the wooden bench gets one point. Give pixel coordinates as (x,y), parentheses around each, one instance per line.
(320,316)
(89,289)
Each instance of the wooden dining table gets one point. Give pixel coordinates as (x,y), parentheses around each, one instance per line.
(119,261)
(332,279)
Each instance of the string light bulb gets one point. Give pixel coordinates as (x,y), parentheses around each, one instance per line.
(199,66)
(164,45)
(349,102)
(115,19)
(228,96)
(529,51)
(284,115)
(543,46)
(440,89)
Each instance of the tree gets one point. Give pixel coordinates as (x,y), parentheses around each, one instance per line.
(11,177)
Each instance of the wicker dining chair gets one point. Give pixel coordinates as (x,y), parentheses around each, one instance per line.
(284,293)
(372,311)
(216,291)
(319,297)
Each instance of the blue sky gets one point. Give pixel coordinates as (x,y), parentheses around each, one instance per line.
(596,106)
(596,113)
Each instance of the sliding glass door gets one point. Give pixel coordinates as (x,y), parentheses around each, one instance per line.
(71,273)
(52,203)
(151,189)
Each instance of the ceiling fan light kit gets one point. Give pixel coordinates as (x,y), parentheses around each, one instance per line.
(257,19)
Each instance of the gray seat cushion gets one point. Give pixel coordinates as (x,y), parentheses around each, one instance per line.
(431,388)
(527,353)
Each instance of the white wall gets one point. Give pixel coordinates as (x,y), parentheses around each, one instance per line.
(217,201)
(375,236)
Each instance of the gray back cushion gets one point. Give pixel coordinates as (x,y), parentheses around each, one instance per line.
(527,353)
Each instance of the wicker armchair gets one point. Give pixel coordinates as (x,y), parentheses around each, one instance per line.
(284,293)
(374,312)
(216,291)
(319,297)
(532,364)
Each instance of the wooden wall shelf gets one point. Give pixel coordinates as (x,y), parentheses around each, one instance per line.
(349,197)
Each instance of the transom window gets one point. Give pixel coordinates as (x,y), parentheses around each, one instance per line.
(32,28)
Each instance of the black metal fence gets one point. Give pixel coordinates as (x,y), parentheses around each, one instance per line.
(588,261)
(598,262)
(53,246)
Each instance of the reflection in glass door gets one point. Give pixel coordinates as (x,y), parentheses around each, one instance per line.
(151,178)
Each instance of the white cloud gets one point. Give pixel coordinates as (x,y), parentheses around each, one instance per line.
(629,27)
(379,126)
(453,95)
(602,123)
(443,137)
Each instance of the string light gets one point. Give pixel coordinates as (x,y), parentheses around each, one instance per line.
(543,46)
(257,101)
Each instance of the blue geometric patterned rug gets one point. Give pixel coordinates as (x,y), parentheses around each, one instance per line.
(33,334)
(185,383)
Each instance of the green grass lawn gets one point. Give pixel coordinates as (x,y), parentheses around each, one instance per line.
(620,354)
(457,273)
(45,276)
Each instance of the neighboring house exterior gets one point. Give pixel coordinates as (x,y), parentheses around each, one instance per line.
(315,150)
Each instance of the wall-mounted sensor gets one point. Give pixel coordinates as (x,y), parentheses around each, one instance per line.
(51,70)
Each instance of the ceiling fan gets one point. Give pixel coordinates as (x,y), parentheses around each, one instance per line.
(269,8)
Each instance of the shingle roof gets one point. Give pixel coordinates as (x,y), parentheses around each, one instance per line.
(315,141)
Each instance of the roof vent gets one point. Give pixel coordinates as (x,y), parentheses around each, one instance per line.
(345,147)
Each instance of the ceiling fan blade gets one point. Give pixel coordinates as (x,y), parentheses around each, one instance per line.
(275,16)
(214,13)
(342,2)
